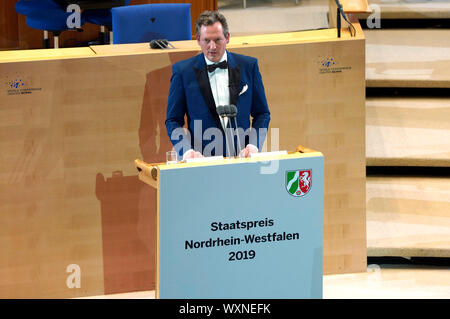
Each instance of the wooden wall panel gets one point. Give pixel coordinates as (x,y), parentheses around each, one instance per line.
(8,25)
(48,214)
(70,193)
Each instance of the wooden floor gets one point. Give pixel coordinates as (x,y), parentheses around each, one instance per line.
(379,282)
(387,282)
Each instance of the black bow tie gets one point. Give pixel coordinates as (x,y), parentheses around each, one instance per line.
(221,65)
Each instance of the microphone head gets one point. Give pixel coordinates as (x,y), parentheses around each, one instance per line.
(221,110)
(227,110)
(233,110)
(159,43)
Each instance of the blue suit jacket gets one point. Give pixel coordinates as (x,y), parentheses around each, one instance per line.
(190,94)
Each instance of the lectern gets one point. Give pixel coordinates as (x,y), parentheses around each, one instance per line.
(239,228)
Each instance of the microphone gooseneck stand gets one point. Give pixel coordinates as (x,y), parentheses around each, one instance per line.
(227,112)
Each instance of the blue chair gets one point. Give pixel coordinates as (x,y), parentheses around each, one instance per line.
(146,22)
(27,7)
(103,18)
(51,20)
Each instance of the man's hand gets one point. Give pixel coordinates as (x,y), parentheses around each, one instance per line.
(192,154)
(249,149)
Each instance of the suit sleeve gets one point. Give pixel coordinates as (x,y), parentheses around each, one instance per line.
(260,110)
(175,114)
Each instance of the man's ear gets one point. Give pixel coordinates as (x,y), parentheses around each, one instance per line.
(227,39)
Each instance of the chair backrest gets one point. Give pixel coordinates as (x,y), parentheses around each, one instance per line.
(25,7)
(146,22)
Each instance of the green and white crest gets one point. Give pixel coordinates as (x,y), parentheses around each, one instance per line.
(298,183)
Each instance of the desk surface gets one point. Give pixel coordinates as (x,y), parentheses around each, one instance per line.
(144,48)
(146,168)
(44,54)
(247,41)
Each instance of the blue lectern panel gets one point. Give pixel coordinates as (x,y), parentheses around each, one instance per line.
(232,231)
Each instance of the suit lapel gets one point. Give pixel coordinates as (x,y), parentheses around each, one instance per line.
(234,78)
(201,74)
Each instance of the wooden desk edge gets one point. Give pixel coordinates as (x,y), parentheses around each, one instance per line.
(286,38)
(33,55)
(149,172)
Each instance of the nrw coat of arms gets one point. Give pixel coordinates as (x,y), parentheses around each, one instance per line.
(298,183)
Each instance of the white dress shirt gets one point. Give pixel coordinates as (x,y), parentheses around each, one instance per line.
(218,80)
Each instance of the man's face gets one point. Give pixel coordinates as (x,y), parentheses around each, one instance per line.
(212,41)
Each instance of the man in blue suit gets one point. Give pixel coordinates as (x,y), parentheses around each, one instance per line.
(213,78)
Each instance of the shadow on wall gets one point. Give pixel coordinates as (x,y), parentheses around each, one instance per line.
(128,231)
(128,206)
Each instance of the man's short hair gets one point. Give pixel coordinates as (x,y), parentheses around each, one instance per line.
(209,18)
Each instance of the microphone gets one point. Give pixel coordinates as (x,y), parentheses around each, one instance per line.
(160,44)
(341,9)
(338,17)
(341,12)
(227,110)
(230,112)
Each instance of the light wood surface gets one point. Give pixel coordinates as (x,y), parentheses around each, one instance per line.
(355,6)
(389,282)
(402,131)
(151,170)
(235,42)
(408,216)
(408,58)
(69,187)
(71,193)
(44,54)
